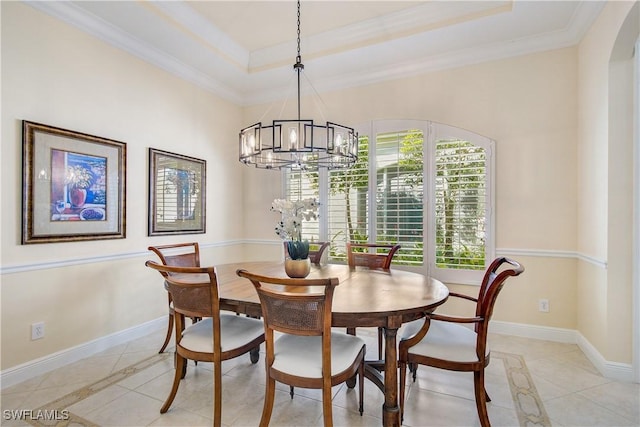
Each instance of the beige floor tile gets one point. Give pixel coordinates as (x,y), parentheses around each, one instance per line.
(182,418)
(428,408)
(42,396)
(131,409)
(159,369)
(574,393)
(565,375)
(86,407)
(82,372)
(622,398)
(300,411)
(576,410)
(347,398)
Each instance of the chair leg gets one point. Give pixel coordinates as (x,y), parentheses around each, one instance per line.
(291,391)
(327,412)
(184,366)
(269,395)
(380,338)
(361,388)
(168,337)
(413,368)
(180,363)
(403,381)
(254,355)
(217,394)
(481,394)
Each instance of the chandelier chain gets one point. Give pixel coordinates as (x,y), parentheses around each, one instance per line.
(298,58)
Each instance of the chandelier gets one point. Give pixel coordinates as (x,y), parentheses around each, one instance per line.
(297,143)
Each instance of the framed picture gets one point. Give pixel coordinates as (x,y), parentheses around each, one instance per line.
(176,194)
(73,185)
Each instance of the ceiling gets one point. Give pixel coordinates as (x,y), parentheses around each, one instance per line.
(244,50)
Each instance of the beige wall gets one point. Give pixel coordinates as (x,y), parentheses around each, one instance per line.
(605,183)
(54,74)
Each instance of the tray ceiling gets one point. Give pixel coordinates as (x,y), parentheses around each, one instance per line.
(244,50)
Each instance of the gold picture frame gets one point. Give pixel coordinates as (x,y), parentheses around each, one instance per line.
(74,185)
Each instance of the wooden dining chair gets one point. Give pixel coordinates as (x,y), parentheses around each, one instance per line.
(218,336)
(445,342)
(308,354)
(316,250)
(374,256)
(179,255)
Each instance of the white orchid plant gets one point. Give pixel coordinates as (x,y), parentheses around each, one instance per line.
(290,226)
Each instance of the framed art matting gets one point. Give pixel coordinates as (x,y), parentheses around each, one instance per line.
(176,194)
(73,185)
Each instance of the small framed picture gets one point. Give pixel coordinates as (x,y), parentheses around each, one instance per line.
(176,194)
(73,185)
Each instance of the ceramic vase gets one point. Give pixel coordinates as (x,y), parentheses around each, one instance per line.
(297,268)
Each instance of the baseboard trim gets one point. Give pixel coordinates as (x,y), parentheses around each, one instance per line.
(534,331)
(48,363)
(612,370)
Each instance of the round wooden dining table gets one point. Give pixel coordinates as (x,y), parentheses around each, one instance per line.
(364,298)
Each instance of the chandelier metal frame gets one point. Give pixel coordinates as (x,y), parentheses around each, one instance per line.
(297,143)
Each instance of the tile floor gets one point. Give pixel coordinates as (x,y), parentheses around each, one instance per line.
(572,391)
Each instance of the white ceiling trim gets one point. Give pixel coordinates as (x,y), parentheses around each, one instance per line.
(191,22)
(396,25)
(249,88)
(91,24)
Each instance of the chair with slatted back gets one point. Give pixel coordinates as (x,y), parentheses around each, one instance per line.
(308,354)
(177,255)
(445,342)
(374,256)
(218,336)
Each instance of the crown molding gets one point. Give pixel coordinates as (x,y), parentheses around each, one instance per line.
(252,78)
(74,15)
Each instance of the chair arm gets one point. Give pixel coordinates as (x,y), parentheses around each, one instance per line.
(455,319)
(467,297)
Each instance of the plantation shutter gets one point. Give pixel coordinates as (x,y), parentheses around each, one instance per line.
(304,185)
(348,203)
(399,193)
(424,185)
(461,200)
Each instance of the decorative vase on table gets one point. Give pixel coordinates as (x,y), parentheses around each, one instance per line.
(297,268)
(297,263)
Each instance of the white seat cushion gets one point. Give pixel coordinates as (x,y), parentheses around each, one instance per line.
(235,331)
(407,330)
(302,356)
(448,341)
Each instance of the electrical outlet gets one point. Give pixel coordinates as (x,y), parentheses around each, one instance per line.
(543,305)
(37,331)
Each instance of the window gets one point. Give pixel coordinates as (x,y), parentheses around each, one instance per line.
(424,185)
